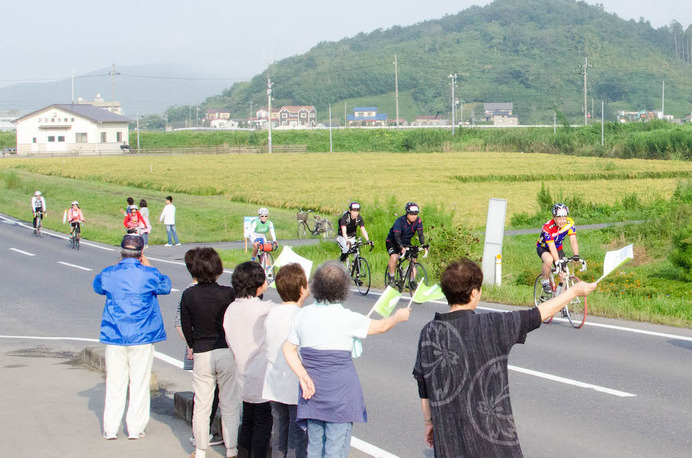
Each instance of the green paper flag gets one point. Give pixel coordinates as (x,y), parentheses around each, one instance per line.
(425,293)
(386,303)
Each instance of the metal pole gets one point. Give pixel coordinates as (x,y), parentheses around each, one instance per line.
(331,150)
(269,103)
(454,82)
(554,122)
(602,106)
(138,133)
(663,99)
(396,88)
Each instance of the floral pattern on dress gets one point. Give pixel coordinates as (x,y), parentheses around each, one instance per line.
(447,369)
(488,403)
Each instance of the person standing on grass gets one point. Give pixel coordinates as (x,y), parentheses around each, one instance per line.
(144,211)
(461,367)
(130,202)
(168,219)
(131,324)
(202,309)
(280,384)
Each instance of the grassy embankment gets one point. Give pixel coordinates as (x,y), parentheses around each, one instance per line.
(213,193)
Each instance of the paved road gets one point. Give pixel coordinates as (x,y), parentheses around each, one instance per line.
(636,400)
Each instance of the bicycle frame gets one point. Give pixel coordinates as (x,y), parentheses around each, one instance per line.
(575,311)
(360,269)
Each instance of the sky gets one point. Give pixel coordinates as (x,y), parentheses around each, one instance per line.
(45,39)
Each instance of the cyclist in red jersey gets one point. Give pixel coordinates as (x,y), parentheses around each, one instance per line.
(549,246)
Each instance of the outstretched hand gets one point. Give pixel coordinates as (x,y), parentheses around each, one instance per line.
(584,289)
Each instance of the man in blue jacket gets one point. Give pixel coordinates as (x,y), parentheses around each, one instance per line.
(131,324)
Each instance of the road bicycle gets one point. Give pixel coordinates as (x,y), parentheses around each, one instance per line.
(409,273)
(359,267)
(322,226)
(75,235)
(575,310)
(38,229)
(266,260)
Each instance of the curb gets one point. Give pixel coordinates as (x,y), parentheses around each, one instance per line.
(95,357)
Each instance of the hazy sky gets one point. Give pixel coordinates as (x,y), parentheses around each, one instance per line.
(233,39)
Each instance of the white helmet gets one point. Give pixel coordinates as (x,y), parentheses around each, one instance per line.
(37,193)
(74,202)
(263,212)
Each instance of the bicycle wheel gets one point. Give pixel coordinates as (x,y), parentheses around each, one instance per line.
(540,296)
(576,308)
(72,241)
(77,241)
(361,275)
(398,284)
(301,230)
(268,266)
(39,226)
(421,276)
(328,230)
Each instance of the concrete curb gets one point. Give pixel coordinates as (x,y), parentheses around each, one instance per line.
(95,356)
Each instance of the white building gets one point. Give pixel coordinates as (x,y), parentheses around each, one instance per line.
(71,128)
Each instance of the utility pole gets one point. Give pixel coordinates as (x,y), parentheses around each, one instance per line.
(584,67)
(269,104)
(138,133)
(461,112)
(113,74)
(663,99)
(345,115)
(554,122)
(453,77)
(197,118)
(396,88)
(602,107)
(189,115)
(331,150)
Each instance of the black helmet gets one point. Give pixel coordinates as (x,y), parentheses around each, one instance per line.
(560,210)
(354,206)
(412,208)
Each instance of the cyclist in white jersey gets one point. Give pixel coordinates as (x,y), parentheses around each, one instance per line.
(259,229)
(38,206)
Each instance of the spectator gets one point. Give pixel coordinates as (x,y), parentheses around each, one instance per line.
(244,326)
(131,324)
(130,203)
(461,367)
(188,363)
(168,218)
(202,309)
(280,383)
(144,211)
(330,398)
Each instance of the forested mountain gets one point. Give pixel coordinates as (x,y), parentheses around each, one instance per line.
(530,53)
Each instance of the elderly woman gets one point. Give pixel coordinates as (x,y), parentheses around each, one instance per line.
(331,398)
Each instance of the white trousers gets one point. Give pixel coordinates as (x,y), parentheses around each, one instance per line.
(343,243)
(127,366)
(212,367)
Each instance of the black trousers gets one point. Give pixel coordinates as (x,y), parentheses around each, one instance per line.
(256,429)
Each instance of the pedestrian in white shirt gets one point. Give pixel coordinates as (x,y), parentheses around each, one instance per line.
(168,219)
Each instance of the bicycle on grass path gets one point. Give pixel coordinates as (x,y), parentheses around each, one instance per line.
(322,225)
(359,267)
(576,309)
(75,235)
(266,260)
(409,273)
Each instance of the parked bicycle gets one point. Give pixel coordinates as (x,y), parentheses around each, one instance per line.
(321,227)
(38,230)
(575,310)
(75,235)
(359,267)
(409,273)
(266,259)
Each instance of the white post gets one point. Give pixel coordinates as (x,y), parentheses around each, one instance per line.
(602,106)
(330,129)
(269,103)
(498,270)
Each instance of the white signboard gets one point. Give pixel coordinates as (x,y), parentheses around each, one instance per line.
(247,221)
(494,234)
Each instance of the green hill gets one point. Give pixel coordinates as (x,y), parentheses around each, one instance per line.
(530,53)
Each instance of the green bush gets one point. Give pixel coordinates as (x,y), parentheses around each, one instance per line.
(681,256)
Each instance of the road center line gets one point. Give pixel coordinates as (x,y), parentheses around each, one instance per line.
(568,381)
(74,265)
(22,252)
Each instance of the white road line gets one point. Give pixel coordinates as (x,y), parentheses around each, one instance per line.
(370,449)
(74,265)
(174,290)
(22,252)
(568,381)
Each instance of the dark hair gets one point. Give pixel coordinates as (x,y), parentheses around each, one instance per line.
(190,256)
(247,277)
(331,283)
(169,198)
(142,203)
(130,201)
(459,279)
(207,265)
(288,280)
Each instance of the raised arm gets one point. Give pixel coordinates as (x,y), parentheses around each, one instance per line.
(385,324)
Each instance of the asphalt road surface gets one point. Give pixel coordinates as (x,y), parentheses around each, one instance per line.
(612,388)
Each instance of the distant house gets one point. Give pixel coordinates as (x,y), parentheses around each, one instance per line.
(367,116)
(298,116)
(687,118)
(430,121)
(217,114)
(223,124)
(71,128)
(260,121)
(638,116)
(402,122)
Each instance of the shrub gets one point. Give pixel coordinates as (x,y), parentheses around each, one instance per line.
(681,255)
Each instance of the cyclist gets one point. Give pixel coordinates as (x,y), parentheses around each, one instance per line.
(349,222)
(549,245)
(75,217)
(400,235)
(134,221)
(258,230)
(38,207)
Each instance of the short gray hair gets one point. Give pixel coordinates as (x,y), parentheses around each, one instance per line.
(125,253)
(331,283)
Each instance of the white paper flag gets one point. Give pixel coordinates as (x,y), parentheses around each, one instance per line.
(289,256)
(614,259)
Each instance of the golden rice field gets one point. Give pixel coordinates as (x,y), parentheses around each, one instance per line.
(462,181)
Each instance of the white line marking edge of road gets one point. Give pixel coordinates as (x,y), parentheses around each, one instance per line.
(568,381)
(75,266)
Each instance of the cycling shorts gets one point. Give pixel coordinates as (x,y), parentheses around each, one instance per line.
(541,249)
(259,240)
(392,248)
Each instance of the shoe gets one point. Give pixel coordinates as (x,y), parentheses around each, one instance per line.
(110,437)
(216,439)
(359,282)
(134,437)
(413,285)
(178,244)
(168,244)
(547,288)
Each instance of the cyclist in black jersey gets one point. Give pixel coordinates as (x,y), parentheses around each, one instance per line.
(349,223)
(400,235)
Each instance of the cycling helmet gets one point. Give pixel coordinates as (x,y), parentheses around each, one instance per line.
(412,208)
(74,202)
(37,193)
(133,208)
(560,210)
(263,212)
(354,206)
